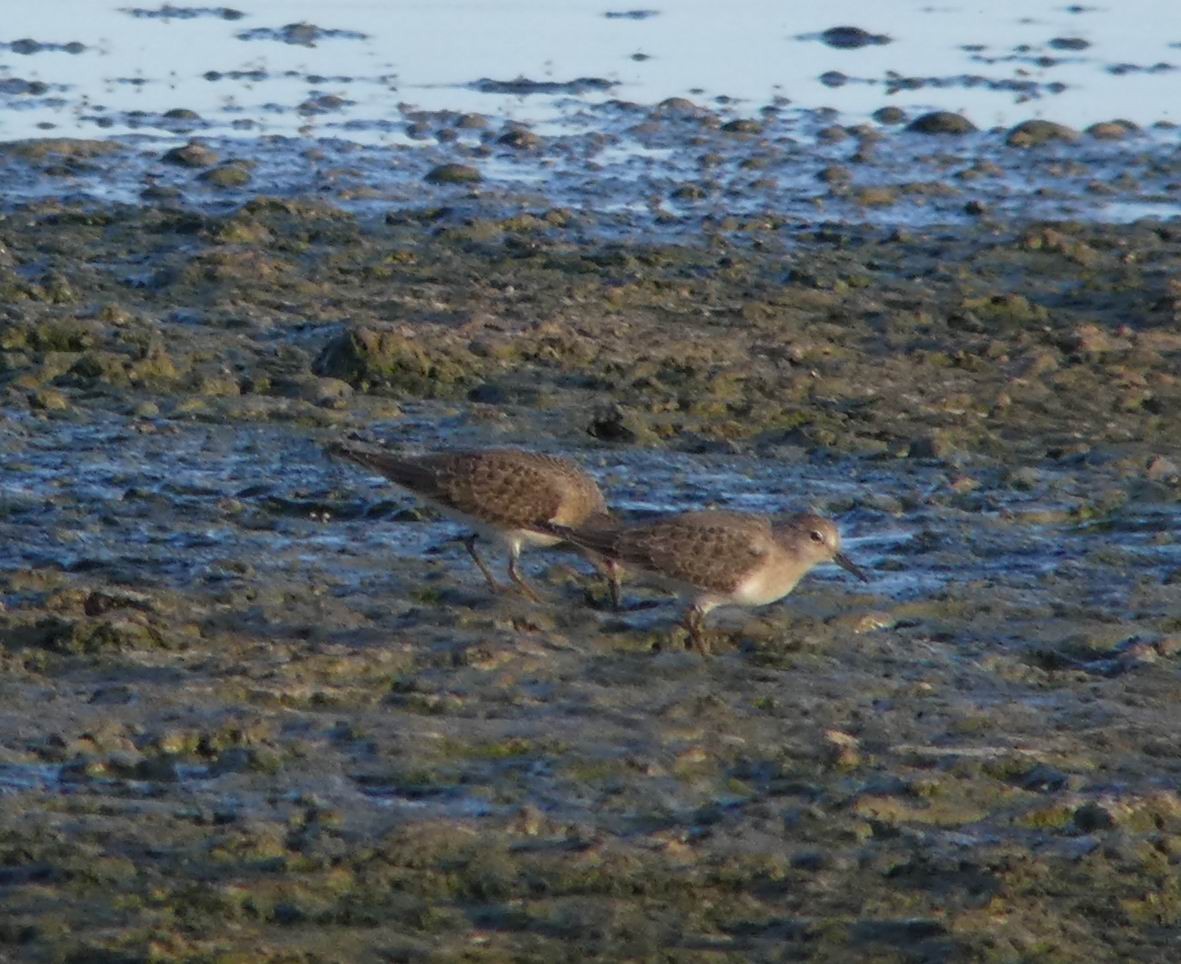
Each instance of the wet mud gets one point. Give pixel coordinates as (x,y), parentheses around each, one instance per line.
(257,705)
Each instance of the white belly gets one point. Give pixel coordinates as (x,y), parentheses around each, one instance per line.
(764,586)
(515,539)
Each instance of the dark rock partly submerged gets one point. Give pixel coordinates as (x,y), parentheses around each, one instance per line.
(1032,133)
(850,38)
(453,174)
(941,122)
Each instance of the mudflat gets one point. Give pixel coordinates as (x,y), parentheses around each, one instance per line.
(258,706)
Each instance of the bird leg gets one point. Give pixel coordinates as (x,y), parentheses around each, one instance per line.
(613,578)
(515,575)
(469,544)
(695,623)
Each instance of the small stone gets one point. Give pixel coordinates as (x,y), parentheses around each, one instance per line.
(1115,130)
(1139,652)
(890,115)
(850,38)
(191,155)
(941,122)
(812,861)
(694,756)
(1090,339)
(325,103)
(530,821)
(871,622)
(1032,133)
(1093,816)
(1161,469)
(835,174)
(877,196)
(743,126)
(232,174)
(613,424)
(842,749)
(681,105)
(688,192)
(933,446)
(521,139)
(453,174)
(1039,363)
(48,400)
(219,386)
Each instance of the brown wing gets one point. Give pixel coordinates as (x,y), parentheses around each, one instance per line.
(505,487)
(710,550)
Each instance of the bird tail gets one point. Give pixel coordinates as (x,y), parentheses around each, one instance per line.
(596,534)
(394,467)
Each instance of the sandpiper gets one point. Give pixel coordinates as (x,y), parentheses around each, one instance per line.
(505,495)
(716,558)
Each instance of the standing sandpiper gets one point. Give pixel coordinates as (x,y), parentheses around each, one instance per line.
(505,495)
(717,558)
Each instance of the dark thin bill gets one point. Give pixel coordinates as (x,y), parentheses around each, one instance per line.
(846,563)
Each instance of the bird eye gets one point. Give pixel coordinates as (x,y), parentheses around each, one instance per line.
(816,535)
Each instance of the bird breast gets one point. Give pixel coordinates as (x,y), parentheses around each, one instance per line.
(773,580)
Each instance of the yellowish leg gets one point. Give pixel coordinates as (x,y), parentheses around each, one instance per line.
(470,544)
(695,623)
(614,574)
(515,575)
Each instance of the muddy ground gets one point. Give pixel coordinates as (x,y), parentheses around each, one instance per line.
(257,706)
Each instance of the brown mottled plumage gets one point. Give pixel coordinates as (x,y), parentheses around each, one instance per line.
(507,495)
(717,558)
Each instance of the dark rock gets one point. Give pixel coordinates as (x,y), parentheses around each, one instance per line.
(323,104)
(941,122)
(523,86)
(1093,816)
(231,174)
(890,115)
(191,155)
(850,38)
(743,126)
(1069,43)
(835,174)
(521,139)
(453,174)
(365,359)
(611,424)
(688,192)
(1115,130)
(1031,133)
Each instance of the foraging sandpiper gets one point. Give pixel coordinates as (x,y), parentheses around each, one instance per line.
(716,558)
(505,495)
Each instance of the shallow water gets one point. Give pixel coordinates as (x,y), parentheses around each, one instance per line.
(247,75)
(182,502)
